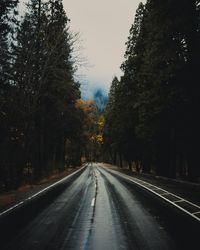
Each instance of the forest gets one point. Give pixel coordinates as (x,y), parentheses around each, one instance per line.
(152,117)
(151,121)
(44,126)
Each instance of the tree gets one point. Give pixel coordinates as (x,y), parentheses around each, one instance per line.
(122,110)
(158,95)
(8,23)
(42,114)
(109,129)
(166,64)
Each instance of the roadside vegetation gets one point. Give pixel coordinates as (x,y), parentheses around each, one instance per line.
(45,127)
(152,117)
(40,121)
(151,122)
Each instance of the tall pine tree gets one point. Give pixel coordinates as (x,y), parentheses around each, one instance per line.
(8,21)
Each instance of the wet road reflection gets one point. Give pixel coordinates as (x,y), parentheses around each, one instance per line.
(98,212)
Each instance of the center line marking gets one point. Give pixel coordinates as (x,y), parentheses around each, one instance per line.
(92,203)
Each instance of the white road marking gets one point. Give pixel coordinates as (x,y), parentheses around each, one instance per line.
(41,191)
(93,202)
(179,201)
(134,180)
(196,212)
(163,193)
(10,209)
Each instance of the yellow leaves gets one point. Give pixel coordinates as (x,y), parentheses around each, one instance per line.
(86,105)
(101,122)
(93,122)
(97,138)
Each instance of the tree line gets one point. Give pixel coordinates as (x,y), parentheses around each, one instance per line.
(40,123)
(152,116)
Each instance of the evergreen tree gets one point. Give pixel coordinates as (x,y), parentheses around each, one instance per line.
(47,83)
(110,124)
(158,94)
(29,69)
(42,108)
(8,21)
(132,85)
(60,89)
(122,113)
(166,64)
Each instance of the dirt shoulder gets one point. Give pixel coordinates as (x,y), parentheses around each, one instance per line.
(187,190)
(10,198)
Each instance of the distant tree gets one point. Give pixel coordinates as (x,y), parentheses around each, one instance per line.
(100,100)
(93,123)
(121,113)
(109,129)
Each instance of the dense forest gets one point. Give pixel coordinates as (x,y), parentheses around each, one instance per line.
(152,117)
(41,121)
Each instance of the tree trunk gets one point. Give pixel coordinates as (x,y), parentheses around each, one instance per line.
(130,165)
(120,160)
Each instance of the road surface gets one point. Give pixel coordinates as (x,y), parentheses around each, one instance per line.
(98,211)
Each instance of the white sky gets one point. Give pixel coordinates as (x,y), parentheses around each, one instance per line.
(104,27)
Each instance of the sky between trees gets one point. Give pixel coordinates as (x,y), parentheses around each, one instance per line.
(104,27)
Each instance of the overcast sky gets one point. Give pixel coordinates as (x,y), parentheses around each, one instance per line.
(104,27)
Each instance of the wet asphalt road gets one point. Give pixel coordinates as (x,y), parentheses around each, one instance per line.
(99,212)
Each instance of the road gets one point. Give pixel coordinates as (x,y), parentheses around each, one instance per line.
(98,211)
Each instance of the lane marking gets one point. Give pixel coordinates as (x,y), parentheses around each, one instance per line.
(163,193)
(40,192)
(196,212)
(93,202)
(179,201)
(134,180)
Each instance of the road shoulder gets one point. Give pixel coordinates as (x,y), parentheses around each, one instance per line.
(9,199)
(187,190)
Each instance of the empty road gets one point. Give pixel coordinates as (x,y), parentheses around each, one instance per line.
(99,211)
